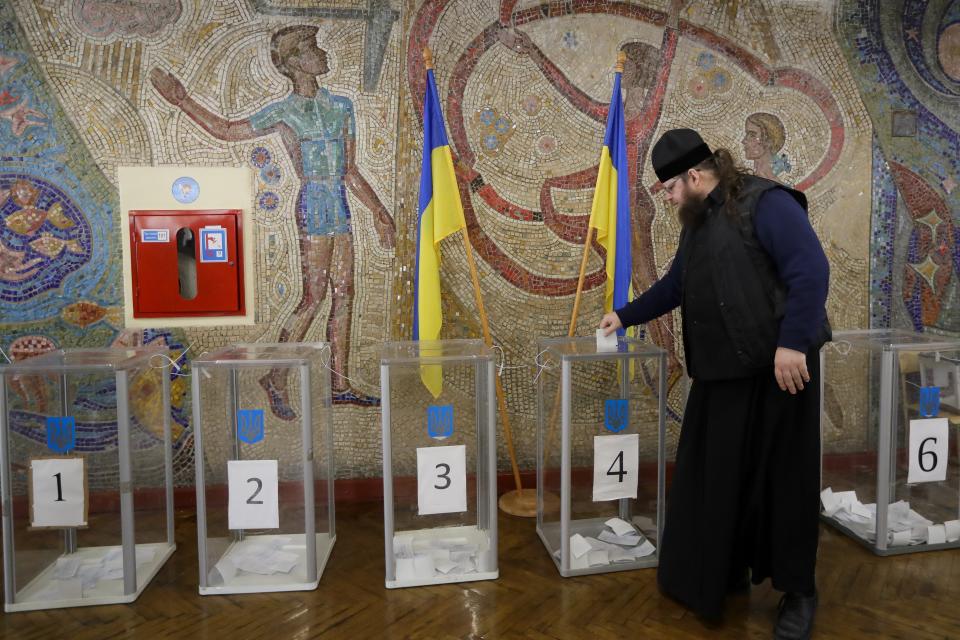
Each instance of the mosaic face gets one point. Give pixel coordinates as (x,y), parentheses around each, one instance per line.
(753,145)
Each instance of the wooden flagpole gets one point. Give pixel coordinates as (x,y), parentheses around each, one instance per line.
(548,444)
(518,502)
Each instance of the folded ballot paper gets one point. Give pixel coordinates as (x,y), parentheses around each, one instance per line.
(906,526)
(423,557)
(618,542)
(262,556)
(75,574)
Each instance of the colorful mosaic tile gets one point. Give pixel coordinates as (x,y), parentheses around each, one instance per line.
(913,105)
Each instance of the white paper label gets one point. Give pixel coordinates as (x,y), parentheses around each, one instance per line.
(928,450)
(254,494)
(213,244)
(58,496)
(616,462)
(442,479)
(155,235)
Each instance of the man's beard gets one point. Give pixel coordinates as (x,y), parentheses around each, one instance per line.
(692,211)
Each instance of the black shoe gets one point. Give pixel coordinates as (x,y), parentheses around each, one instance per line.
(795,616)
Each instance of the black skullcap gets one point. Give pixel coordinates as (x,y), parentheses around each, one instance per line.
(676,151)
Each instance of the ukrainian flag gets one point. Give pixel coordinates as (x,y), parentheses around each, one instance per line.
(610,214)
(440,215)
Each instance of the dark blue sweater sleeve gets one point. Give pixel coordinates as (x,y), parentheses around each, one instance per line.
(784,231)
(663,296)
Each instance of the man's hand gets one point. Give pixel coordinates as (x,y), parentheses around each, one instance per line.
(168,86)
(790,369)
(610,323)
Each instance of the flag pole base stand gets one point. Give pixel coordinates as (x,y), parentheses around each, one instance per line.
(523,502)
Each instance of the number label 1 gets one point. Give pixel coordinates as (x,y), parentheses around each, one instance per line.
(928,450)
(253,494)
(616,461)
(58,496)
(441,479)
(59,486)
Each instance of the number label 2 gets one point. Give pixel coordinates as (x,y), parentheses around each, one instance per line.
(253,494)
(441,479)
(256,491)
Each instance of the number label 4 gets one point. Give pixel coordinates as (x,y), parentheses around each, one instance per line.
(619,473)
(616,461)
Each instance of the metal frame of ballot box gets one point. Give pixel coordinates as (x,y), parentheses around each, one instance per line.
(38,593)
(896,348)
(313,556)
(585,350)
(448,353)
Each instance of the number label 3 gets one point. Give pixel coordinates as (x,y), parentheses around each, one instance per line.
(443,475)
(441,479)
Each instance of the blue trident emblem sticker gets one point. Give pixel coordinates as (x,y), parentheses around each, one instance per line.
(440,421)
(250,425)
(616,414)
(61,433)
(929,401)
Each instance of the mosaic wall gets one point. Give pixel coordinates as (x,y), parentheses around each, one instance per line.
(906,61)
(847,103)
(526,87)
(90,85)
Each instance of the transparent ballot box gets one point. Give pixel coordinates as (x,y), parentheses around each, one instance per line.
(600,450)
(889,420)
(264,463)
(439,462)
(87,476)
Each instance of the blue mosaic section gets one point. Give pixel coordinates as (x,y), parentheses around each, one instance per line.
(912,16)
(941,144)
(55,204)
(47,235)
(883,230)
(60,263)
(915,168)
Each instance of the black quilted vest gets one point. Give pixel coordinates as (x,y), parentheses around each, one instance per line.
(733,298)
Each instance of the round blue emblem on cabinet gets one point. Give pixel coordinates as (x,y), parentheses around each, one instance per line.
(185,190)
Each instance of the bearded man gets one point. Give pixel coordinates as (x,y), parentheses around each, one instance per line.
(751,279)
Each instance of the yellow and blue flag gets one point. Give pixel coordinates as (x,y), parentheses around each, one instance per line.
(440,214)
(610,214)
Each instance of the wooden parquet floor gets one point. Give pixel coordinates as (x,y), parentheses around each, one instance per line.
(861,596)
